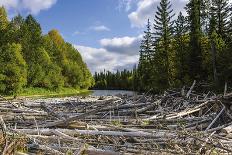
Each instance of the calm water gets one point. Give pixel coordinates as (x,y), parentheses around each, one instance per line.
(112,92)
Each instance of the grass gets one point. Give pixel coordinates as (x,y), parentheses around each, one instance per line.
(42,92)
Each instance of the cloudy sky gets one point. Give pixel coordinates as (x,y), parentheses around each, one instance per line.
(106,32)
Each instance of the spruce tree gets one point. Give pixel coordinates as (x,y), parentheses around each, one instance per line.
(195,55)
(146,57)
(181,47)
(205,15)
(221,12)
(163,26)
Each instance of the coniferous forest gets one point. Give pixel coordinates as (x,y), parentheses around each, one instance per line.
(30,59)
(120,80)
(178,49)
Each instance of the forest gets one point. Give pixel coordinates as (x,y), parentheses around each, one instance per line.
(120,80)
(28,58)
(178,49)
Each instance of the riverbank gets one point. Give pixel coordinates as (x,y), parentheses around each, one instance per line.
(41,92)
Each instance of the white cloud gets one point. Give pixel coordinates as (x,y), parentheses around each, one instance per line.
(100,28)
(31,6)
(116,53)
(147,8)
(124,45)
(125,4)
(9,3)
(35,6)
(99,59)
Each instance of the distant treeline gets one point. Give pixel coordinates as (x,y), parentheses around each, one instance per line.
(120,80)
(176,52)
(30,59)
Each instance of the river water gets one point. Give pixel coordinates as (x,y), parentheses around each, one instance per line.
(112,92)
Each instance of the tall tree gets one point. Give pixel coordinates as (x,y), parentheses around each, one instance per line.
(205,15)
(221,13)
(13,33)
(3,25)
(163,26)
(180,44)
(13,72)
(146,57)
(195,56)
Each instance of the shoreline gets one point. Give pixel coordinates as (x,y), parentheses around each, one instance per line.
(44,93)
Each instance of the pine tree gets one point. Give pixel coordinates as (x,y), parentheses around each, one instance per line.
(195,55)
(146,57)
(205,15)
(221,12)
(163,26)
(181,47)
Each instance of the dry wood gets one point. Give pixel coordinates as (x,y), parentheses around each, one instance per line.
(120,125)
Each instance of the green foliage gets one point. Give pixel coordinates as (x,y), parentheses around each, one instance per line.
(195,47)
(120,80)
(145,64)
(35,91)
(13,72)
(3,19)
(200,48)
(221,13)
(29,59)
(163,26)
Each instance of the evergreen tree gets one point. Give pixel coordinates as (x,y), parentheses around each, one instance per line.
(125,80)
(163,26)
(205,15)
(146,58)
(221,13)
(195,55)
(180,44)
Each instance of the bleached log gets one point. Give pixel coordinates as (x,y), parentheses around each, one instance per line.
(49,132)
(191,89)
(88,113)
(91,151)
(219,114)
(227,129)
(180,114)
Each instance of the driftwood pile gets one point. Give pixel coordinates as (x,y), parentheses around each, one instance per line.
(177,122)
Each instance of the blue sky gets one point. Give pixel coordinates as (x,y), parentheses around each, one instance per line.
(107,33)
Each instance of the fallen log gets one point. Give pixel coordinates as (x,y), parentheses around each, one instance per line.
(227,129)
(50,132)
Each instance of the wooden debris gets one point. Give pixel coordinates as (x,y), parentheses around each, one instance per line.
(173,123)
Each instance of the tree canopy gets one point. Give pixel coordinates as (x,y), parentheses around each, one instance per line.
(30,59)
(174,53)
